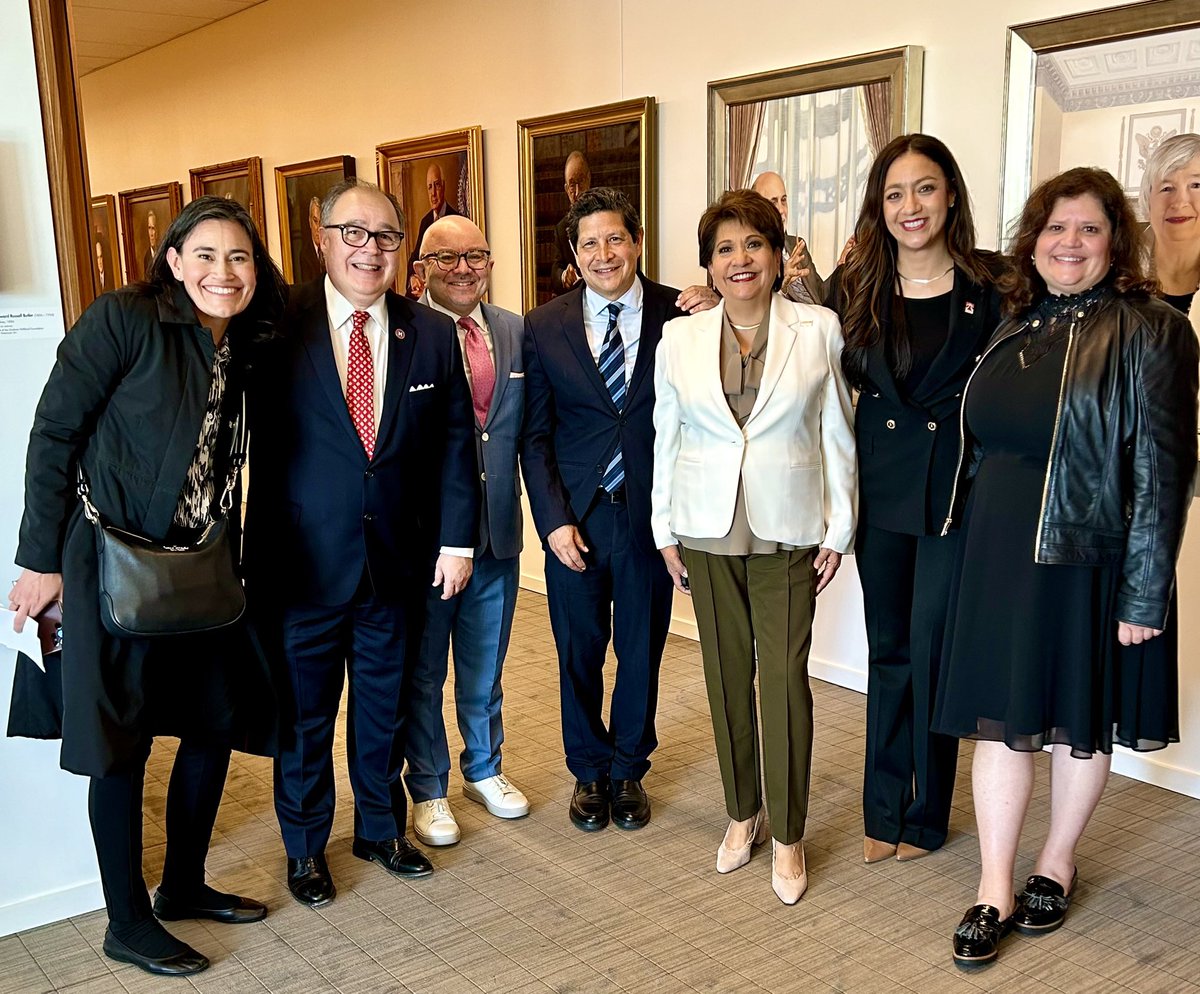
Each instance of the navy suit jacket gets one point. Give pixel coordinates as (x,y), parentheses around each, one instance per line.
(571,425)
(319,511)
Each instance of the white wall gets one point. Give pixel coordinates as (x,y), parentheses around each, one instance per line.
(291,80)
(47,863)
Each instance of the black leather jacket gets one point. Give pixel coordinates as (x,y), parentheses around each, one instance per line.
(1123,455)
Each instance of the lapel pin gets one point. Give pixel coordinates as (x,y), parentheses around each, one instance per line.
(400,334)
(969,307)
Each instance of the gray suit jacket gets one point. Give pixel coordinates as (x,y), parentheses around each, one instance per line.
(498,439)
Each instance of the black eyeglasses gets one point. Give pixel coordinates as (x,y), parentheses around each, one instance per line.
(356,237)
(448,260)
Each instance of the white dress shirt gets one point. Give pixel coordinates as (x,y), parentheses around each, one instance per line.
(629,322)
(341,313)
(476,316)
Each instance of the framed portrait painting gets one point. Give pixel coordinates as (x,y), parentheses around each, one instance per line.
(819,128)
(561,156)
(106,251)
(300,188)
(146,214)
(431,177)
(1104,88)
(240,180)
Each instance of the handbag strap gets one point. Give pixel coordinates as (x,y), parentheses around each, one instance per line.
(237,459)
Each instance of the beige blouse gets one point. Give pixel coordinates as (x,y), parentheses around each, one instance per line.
(741,377)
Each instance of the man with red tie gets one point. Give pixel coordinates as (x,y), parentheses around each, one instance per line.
(362,495)
(455,264)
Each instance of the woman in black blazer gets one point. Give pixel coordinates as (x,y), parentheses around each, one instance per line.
(144,396)
(917,304)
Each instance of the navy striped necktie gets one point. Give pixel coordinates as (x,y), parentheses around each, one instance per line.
(612,371)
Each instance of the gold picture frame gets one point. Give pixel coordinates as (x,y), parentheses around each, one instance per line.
(105,242)
(139,237)
(819,126)
(620,142)
(240,180)
(296,186)
(405,169)
(1133,35)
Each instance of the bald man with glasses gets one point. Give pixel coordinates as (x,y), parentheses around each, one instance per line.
(455,265)
(362,495)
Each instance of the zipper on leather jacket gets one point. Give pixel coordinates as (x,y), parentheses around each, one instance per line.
(1062,389)
(962,423)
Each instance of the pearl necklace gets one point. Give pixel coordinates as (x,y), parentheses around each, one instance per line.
(926,282)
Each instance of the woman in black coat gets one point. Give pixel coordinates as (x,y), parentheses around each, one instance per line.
(145,397)
(917,304)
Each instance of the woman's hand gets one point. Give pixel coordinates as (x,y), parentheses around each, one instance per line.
(679,573)
(32,594)
(1128,634)
(826,564)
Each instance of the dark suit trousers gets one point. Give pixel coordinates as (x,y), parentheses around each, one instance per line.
(908,777)
(626,594)
(367,639)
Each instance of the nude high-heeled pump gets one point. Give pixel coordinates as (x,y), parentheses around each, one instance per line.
(788,889)
(728,859)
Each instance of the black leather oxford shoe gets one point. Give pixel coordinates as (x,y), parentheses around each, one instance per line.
(977,938)
(398,856)
(589,805)
(233,911)
(1042,905)
(630,805)
(178,965)
(309,880)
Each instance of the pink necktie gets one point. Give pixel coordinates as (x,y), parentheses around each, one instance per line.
(360,384)
(483,374)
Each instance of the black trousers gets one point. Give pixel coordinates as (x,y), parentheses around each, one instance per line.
(115,810)
(624,594)
(908,776)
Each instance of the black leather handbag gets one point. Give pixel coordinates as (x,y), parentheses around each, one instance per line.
(148,589)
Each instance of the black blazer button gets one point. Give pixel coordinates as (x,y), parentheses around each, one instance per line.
(368,517)
(369,474)
(890,423)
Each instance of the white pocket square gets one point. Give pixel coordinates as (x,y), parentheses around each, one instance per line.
(417,387)
(516,376)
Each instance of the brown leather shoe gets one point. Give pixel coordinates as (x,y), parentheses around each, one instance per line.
(905,852)
(875,851)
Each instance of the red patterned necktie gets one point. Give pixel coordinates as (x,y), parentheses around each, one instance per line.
(483,373)
(360,384)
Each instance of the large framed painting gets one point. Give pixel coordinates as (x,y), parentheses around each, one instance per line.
(1098,89)
(818,127)
(146,213)
(300,189)
(561,156)
(106,252)
(239,180)
(431,177)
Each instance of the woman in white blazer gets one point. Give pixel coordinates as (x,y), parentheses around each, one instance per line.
(753,505)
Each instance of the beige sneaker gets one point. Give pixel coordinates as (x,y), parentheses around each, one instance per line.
(434,824)
(499,795)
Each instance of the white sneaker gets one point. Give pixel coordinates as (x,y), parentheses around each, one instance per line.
(499,795)
(434,824)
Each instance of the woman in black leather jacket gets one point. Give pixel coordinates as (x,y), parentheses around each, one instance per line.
(1078,432)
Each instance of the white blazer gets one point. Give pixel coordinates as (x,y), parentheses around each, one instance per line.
(795,455)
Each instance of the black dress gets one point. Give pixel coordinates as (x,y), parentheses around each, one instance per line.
(1031,656)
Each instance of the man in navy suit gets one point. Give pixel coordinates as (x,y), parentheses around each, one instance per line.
(455,263)
(588,462)
(363,493)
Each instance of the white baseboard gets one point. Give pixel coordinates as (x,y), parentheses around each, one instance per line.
(1148,768)
(30,912)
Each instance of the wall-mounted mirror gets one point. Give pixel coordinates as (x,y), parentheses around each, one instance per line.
(817,126)
(1100,89)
